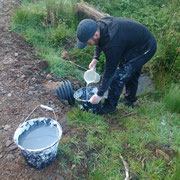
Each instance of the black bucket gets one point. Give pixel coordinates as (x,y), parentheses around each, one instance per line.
(81,96)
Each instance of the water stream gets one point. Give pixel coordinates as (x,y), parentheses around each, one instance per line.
(87,91)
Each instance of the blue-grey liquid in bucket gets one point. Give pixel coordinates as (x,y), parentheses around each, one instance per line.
(39,137)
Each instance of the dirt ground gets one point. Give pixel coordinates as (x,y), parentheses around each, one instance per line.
(23,86)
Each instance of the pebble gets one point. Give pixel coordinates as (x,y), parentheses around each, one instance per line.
(33,79)
(8,143)
(23,76)
(12,148)
(30,93)
(67,171)
(25,171)
(50,178)
(56,177)
(9,94)
(48,77)
(4,92)
(15,54)
(73,166)
(10,156)
(6,127)
(1,156)
(60,177)
(58,171)
(65,55)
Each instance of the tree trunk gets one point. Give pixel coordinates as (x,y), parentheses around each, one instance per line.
(84,11)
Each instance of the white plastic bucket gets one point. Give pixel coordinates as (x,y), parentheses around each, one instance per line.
(38,157)
(90,76)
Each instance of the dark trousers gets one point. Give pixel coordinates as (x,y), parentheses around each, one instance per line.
(128,73)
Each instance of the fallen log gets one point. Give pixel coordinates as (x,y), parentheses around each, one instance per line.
(85,11)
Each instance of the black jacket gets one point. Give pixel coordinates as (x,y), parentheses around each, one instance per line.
(118,37)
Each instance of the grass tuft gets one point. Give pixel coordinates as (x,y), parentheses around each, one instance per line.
(172,99)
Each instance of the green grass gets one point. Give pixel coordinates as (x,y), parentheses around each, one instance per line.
(34,20)
(172,99)
(59,67)
(96,142)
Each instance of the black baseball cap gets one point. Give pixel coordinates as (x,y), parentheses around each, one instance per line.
(85,31)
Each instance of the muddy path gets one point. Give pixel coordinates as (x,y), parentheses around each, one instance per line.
(23,86)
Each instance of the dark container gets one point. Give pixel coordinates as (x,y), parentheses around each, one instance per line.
(81,96)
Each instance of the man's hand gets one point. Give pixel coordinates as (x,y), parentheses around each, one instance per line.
(92,65)
(95,99)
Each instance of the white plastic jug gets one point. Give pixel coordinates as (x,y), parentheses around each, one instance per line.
(90,76)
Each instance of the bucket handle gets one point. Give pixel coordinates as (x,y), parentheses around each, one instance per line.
(44,107)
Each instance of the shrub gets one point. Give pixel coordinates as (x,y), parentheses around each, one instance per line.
(24,18)
(167,58)
(162,18)
(59,36)
(59,11)
(172,99)
(84,57)
(29,24)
